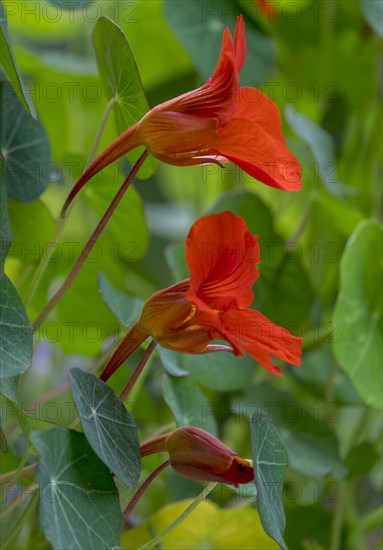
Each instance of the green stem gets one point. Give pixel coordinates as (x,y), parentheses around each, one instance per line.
(369,522)
(13,476)
(336,530)
(329,388)
(44,262)
(200,498)
(91,242)
(20,523)
(54,392)
(19,498)
(138,370)
(100,131)
(128,510)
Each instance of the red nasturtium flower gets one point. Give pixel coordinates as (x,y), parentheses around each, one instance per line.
(213,304)
(196,454)
(216,123)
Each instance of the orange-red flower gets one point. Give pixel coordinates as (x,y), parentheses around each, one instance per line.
(216,123)
(196,454)
(213,304)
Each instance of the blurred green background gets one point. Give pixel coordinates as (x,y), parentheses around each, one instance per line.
(320,61)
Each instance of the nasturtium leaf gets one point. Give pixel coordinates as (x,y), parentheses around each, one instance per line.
(25,147)
(79,506)
(126,308)
(188,404)
(8,64)
(270,462)
(209,526)
(322,147)
(109,428)
(33,228)
(5,229)
(171,361)
(15,331)
(199,26)
(8,388)
(311,445)
(373,12)
(121,80)
(358,312)
(220,371)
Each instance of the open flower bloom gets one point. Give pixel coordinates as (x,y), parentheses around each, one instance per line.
(196,454)
(216,123)
(213,304)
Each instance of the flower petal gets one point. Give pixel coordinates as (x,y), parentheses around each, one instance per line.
(172,133)
(222,256)
(240,43)
(217,98)
(253,140)
(261,338)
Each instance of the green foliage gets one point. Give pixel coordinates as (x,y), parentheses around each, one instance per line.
(25,148)
(358,312)
(78,498)
(109,428)
(319,276)
(122,82)
(16,332)
(270,461)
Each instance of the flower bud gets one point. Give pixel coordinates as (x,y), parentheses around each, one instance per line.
(196,454)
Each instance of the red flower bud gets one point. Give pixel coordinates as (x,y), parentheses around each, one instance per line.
(196,454)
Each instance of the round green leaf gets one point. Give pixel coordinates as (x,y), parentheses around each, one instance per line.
(121,81)
(32,230)
(16,338)
(270,461)
(358,312)
(220,371)
(188,404)
(126,308)
(25,148)
(79,506)
(9,66)
(5,229)
(109,428)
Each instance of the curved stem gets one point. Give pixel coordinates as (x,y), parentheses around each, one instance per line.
(142,489)
(18,474)
(336,530)
(200,498)
(44,262)
(138,370)
(54,392)
(91,242)
(100,131)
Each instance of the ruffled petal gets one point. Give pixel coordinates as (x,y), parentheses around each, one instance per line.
(222,256)
(261,338)
(253,140)
(240,43)
(218,97)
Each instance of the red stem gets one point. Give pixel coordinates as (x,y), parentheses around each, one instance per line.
(89,245)
(138,370)
(141,490)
